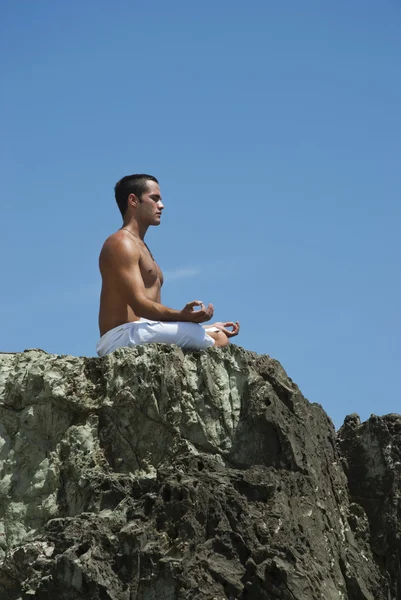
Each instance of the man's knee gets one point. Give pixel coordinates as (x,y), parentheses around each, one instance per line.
(191,336)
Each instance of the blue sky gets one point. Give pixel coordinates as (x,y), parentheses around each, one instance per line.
(275,131)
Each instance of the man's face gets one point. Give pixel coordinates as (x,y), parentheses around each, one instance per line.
(150,206)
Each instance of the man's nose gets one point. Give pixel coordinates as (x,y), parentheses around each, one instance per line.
(160,205)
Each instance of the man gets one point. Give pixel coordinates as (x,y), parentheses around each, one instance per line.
(131,311)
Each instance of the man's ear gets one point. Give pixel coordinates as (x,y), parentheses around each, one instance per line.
(133,200)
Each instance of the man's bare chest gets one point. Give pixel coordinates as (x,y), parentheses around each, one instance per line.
(150,271)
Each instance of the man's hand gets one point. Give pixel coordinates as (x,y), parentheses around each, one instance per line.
(197,316)
(223,327)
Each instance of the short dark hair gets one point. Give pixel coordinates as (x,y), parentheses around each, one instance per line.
(131,184)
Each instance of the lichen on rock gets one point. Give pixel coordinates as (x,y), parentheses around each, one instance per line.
(155,473)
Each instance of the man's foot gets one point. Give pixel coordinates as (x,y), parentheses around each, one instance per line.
(222,336)
(220,339)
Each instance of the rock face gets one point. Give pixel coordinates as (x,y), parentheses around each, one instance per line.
(154,474)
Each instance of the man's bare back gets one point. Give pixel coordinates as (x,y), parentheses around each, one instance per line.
(131,278)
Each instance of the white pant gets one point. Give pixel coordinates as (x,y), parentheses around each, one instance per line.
(186,335)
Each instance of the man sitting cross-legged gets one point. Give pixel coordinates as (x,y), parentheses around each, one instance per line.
(131,312)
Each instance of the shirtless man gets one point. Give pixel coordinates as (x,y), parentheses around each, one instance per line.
(131,311)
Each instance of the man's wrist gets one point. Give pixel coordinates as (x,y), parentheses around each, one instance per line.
(183,317)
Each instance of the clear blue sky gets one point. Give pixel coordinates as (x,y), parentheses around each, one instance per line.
(275,131)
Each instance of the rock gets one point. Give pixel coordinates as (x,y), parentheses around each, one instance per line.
(371,454)
(155,474)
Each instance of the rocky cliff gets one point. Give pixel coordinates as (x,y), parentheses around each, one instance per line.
(154,474)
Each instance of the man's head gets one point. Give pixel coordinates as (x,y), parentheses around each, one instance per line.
(132,191)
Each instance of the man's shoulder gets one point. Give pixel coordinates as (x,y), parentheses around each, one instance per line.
(117,236)
(119,245)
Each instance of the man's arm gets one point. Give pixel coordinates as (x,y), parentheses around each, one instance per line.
(121,257)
